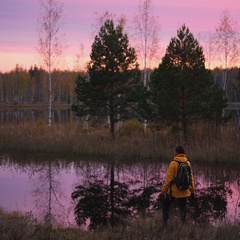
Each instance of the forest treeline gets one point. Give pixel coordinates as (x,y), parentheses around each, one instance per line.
(30,86)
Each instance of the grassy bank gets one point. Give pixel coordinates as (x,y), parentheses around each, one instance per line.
(17,226)
(131,143)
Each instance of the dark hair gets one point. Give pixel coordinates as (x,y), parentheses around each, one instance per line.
(179,149)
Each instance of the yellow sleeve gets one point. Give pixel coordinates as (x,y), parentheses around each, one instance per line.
(169,177)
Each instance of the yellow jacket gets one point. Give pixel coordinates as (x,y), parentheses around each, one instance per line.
(172,173)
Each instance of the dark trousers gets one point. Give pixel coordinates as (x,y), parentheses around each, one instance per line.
(168,201)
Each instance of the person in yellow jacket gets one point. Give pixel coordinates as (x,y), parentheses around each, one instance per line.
(170,191)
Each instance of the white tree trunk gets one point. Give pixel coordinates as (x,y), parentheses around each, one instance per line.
(85,125)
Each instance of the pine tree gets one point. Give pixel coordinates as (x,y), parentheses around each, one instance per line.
(114,77)
(182,89)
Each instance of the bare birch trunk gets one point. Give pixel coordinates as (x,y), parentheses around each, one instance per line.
(85,125)
(50,41)
(147,28)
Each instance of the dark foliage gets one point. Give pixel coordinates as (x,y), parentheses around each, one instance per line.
(210,204)
(94,203)
(114,77)
(142,198)
(182,90)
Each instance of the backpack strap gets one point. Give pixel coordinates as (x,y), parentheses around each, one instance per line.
(173,181)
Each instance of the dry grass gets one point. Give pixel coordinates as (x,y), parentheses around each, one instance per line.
(16,226)
(129,144)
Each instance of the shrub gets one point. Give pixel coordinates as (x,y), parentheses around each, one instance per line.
(131,127)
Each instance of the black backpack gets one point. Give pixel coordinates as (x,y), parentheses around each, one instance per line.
(183,180)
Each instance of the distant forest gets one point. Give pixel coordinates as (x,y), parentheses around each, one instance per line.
(22,86)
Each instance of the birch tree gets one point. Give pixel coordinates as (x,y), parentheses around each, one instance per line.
(50,41)
(147,29)
(79,60)
(208,48)
(226,44)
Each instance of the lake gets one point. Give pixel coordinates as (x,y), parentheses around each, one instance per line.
(22,115)
(44,189)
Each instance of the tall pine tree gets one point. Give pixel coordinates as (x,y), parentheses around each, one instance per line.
(182,89)
(114,77)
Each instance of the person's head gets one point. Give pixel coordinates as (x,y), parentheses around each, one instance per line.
(179,150)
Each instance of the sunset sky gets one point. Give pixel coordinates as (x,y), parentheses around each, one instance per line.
(18,19)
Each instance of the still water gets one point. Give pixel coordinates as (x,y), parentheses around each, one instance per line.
(24,115)
(59,115)
(43,188)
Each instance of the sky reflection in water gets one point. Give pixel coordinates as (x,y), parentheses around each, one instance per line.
(25,187)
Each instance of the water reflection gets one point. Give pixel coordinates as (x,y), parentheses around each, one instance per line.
(24,115)
(92,194)
(9,115)
(47,192)
(210,205)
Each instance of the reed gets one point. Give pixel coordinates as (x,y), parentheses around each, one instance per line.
(130,144)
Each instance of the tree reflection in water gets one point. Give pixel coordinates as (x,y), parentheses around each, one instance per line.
(210,204)
(106,203)
(107,194)
(47,193)
(103,203)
